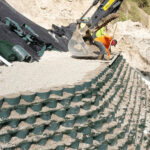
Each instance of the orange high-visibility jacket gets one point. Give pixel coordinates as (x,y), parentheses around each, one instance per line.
(105,40)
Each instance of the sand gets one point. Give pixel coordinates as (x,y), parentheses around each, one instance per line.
(53,70)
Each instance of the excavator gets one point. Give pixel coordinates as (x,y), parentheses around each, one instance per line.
(80,45)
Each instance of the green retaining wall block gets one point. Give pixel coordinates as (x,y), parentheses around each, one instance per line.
(98,125)
(14,123)
(44,94)
(21,110)
(74,110)
(57,137)
(81,119)
(100,137)
(53,126)
(72,134)
(86,130)
(28,96)
(87,84)
(38,130)
(88,140)
(25,146)
(22,134)
(75,145)
(56,92)
(52,104)
(69,90)
(61,113)
(42,142)
(68,123)
(79,87)
(6,51)
(1,101)
(94,114)
(65,102)
(61,147)
(12,99)
(36,107)
(31,120)
(77,98)
(5,138)
(88,94)
(87,106)
(5,113)
(103,146)
(46,116)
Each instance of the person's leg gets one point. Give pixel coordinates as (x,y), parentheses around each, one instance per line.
(101,47)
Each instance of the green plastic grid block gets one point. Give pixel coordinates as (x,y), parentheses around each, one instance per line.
(85,130)
(53,126)
(65,102)
(56,92)
(36,107)
(103,146)
(81,119)
(88,140)
(98,124)
(31,120)
(38,130)
(68,123)
(1,101)
(69,90)
(25,146)
(21,110)
(42,142)
(22,134)
(57,137)
(77,98)
(46,116)
(12,100)
(60,113)
(5,138)
(14,123)
(72,134)
(100,137)
(79,87)
(5,113)
(52,104)
(43,95)
(75,145)
(87,84)
(94,114)
(73,110)
(28,97)
(60,147)
(87,106)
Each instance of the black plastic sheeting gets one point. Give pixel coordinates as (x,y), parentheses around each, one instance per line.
(57,42)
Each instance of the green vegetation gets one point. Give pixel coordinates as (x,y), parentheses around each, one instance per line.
(132,9)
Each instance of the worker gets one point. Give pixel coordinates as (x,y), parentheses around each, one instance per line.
(104,43)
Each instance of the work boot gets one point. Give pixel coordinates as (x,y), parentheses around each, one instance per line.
(100,57)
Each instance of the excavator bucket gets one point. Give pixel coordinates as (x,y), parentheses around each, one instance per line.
(78,48)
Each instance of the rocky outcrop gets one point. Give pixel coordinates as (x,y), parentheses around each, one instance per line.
(109,111)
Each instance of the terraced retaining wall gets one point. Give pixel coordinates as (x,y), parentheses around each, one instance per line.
(110,111)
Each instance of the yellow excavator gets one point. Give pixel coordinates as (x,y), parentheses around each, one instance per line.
(81,43)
